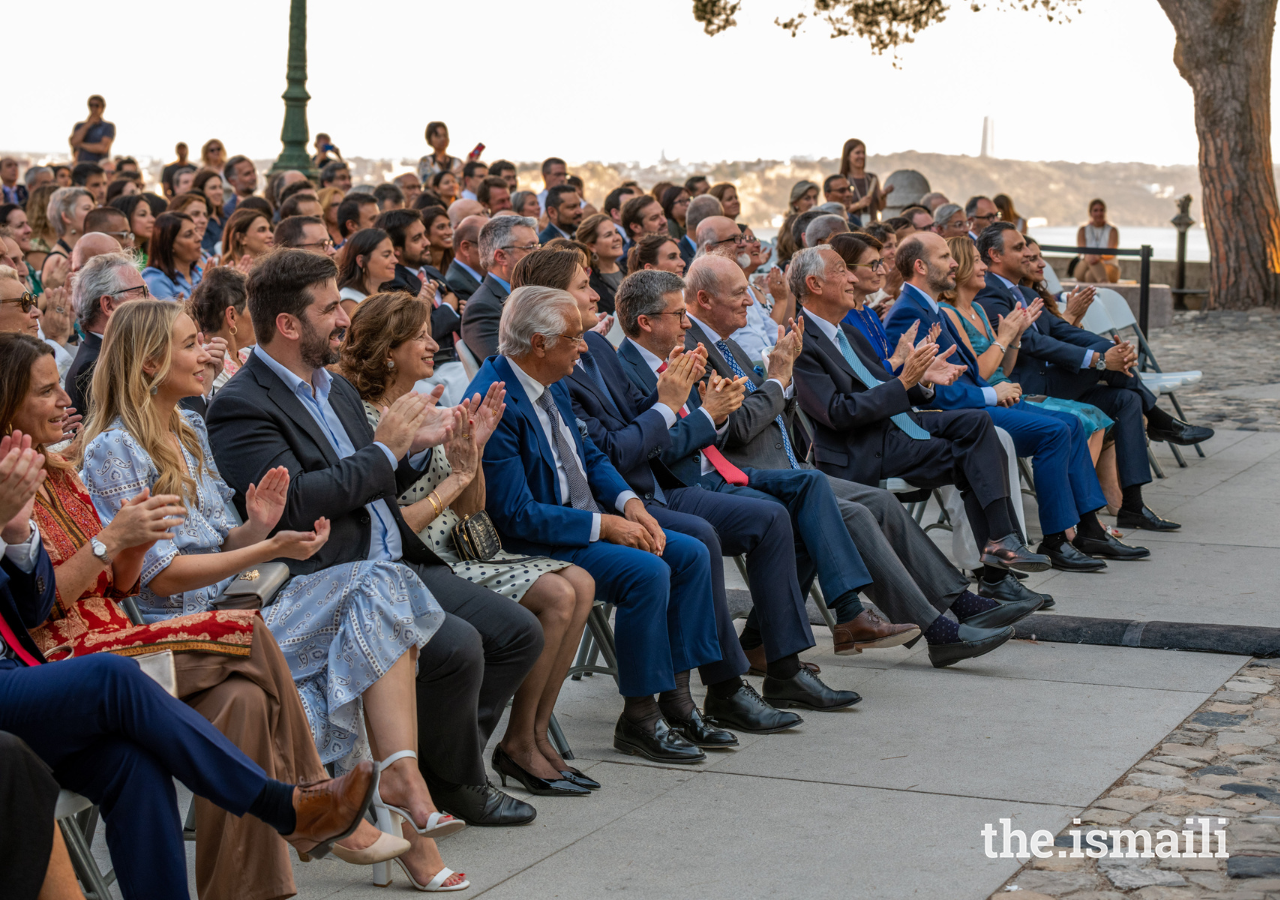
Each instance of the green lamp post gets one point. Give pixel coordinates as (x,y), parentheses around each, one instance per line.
(295,134)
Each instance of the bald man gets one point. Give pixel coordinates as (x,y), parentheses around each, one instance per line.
(95,243)
(460,209)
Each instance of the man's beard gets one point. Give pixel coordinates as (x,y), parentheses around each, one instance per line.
(941,280)
(743,260)
(314,347)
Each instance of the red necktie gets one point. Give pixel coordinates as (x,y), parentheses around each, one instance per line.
(728,471)
(11,641)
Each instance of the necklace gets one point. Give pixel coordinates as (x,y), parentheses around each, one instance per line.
(871,331)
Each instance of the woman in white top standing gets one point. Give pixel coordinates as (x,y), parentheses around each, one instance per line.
(1097,232)
(868,196)
(367,261)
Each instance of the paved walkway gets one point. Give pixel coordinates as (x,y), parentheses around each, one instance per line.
(887,800)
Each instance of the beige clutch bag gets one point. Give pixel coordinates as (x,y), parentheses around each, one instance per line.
(159,667)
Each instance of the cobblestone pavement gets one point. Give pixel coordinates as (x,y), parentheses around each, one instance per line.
(1223,762)
(1239,353)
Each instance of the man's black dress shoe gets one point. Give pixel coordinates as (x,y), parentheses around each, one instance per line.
(1144,519)
(1004,614)
(484,804)
(973,642)
(1010,553)
(1010,590)
(580,779)
(662,745)
(1068,559)
(1110,548)
(1180,432)
(745,710)
(700,732)
(505,766)
(804,689)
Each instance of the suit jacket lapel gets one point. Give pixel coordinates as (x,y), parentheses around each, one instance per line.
(828,346)
(521,403)
(581,377)
(292,407)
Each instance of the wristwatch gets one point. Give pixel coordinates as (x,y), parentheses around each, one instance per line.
(100,551)
(1099,361)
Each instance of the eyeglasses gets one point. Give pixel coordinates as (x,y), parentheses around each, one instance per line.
(326,244)
(739,239)
(536,245)
(682,313)
(28,301)
(987,218)
(578,338)
(876,265)
(129,290)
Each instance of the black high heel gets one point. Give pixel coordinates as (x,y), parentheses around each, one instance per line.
(505,766)
(573,776)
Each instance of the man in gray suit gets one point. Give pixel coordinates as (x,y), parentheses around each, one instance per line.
(504,241)
(466,272)
(910,575)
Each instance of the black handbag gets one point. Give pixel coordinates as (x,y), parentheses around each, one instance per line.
(474,537)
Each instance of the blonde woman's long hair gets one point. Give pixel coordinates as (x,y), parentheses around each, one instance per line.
(141,332)
(966,254)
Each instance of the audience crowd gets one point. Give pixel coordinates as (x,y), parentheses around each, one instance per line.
(303,482)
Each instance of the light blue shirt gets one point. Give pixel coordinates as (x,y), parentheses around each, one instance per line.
(1017,293)
(988,393)
(502,281)
(760,333)
(384,534)
(163,287)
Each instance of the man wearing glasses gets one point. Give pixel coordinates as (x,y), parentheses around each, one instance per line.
(305,233)
(981,212)
(504,241)
(105,282)
(721,236)
(18,311)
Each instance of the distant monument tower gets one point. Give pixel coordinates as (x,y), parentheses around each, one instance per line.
(988,137)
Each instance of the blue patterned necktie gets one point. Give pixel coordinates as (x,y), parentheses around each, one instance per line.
(736,369)
(902,420)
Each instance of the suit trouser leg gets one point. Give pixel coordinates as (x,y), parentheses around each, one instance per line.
(1048,441)
(913,581)
(760,529)
(468,672)
(114,735)
(665,618)
(29,796)
(1125,408)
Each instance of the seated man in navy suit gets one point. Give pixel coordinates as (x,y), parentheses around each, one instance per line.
(1060,360)
(112,734)
(551,492)
(632,429)
(863,531)
(1067,491)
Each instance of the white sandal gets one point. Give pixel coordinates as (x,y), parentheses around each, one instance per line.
(437,883)
(439,824)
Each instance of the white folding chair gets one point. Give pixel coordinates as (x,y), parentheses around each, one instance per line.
(78,819)
(470,364)
(616,335)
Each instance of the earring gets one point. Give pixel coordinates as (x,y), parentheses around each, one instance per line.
(233,331)
(155,389)
(391,364)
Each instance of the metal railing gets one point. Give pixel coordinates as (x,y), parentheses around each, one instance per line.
(1144,275)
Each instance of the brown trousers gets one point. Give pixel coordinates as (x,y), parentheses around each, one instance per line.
(253,702)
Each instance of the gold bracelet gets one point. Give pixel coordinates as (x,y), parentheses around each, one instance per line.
(435,504)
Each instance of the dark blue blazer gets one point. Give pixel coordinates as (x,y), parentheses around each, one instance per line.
(913,306)
(687,250)
(683,457)
(26,598)
(523,492)
(550,233)
(620,421)
(1050,341)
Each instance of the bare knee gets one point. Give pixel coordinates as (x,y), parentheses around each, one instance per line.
(551,599)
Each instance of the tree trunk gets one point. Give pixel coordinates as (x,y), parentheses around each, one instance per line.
(1224,53)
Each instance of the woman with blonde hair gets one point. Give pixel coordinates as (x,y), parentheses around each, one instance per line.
(350,633)
(43,236)
(387,350)
(330,199)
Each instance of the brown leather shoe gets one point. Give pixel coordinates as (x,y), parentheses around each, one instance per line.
(331,810)
(755,656)
(870,632)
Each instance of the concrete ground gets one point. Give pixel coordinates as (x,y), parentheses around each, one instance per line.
(886,800)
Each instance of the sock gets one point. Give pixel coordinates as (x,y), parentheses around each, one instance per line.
(1090,527)
(750,637)
(678,703)
(1055,540)
(274,805)
(1159,418)
(1132,498)
(993,575)
(723,690)
(970,604)
(847,607)
(942,631)
(997,513)
(642,712)
(787,667)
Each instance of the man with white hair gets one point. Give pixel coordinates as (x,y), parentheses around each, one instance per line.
(552,492)
(504,241)
(720,236)
(102,285)
(950,221)
(822,229)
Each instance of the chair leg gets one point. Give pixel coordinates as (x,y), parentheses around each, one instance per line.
(586,651)
(189,824)
(821,602)
(598,622)
(1177,454)
(1177,407)
(1028,477)
(1155,463)
(741,562)
(95,884)
(556,734)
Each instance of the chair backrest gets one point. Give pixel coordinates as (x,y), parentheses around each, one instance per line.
(616,335)
(1051,277)
(1096,318)
(1118,309)
(470,364)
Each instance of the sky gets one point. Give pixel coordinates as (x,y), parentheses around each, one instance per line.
(381,69)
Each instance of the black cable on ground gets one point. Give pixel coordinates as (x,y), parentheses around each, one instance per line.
(1239,640)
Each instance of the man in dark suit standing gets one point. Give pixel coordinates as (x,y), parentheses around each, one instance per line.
(1061,360)
(465,272)
(286,409)
(503,242)
(564,213)
(551,492)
